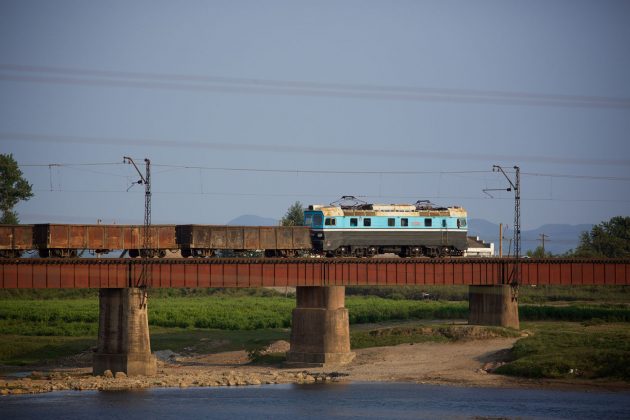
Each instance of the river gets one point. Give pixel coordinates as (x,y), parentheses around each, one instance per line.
(320,401)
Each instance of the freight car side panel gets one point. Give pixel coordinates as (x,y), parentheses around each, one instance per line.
(17,237)
(95,236)
(218,238)
(114,237)
(234,237)
(251,238)
(284,237)
(302,237)
(267,237)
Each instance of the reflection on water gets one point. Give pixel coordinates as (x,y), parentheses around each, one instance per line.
(356,400)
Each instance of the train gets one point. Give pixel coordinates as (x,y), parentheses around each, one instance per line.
(346,228)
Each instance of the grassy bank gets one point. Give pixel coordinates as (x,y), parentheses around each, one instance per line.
(45,328)
(393,336)
(572,350)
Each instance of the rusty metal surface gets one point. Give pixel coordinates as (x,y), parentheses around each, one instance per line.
(18,237)
(243,237)
(256,272)
(93,237)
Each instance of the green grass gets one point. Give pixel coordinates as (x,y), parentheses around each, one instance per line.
(570,350)
(393,336)
(204,341)
(32,330)
(19,350)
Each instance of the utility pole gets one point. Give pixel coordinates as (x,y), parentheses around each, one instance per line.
(542,239)
(146,240)
(501,238)
(516,187)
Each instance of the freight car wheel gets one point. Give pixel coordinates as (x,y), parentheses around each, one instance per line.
(134,253)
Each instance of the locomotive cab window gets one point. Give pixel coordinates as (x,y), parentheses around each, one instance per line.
(428,222)
(330,221)
(391,222)
(367,222)
(317,220)
(461,222)
(404,222)
(354,221)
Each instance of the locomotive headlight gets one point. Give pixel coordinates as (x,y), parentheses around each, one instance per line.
(320,235)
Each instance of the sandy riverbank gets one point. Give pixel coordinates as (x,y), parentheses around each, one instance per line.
(468,363)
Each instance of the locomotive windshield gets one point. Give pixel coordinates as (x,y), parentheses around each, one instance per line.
(313,219)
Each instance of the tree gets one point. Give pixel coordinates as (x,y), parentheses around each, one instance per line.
(539,252)
(13,189)
(608,239)
(294,215)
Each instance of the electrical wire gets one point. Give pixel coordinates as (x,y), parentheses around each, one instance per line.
(308,150)
(328,172)
(146,80)
(328,195)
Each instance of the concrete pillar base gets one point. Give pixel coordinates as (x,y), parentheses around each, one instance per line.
(320,332)
(131,364)
(123,333)
(493,305)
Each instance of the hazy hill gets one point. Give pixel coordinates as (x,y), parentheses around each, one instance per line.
(253,220)
(561,237)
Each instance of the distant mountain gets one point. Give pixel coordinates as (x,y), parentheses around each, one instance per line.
(561,237)
(253,220)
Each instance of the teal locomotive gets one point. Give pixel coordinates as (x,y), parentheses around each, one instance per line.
(350,227)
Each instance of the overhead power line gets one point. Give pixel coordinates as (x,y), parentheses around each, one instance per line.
(200,83)
(321,171)
(331,194)
(309,150)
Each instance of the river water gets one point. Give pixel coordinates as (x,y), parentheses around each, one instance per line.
(320,401)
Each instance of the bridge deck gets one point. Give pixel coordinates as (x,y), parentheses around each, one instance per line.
(244,272)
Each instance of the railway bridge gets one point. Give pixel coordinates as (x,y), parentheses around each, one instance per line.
(320,324)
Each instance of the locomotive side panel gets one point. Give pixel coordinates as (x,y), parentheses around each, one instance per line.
(335,239)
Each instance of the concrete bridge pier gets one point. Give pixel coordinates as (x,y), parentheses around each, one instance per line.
(320,332)
(493,305)
(123,333)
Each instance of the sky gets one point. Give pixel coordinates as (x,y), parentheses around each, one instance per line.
(244,107)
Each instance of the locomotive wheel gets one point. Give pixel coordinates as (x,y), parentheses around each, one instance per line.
(342,251)
(359,252)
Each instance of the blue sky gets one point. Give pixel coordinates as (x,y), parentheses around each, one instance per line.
(219,94)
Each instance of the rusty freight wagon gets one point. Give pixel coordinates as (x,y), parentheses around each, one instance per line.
(204,240)
(15,239)
(59,240)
